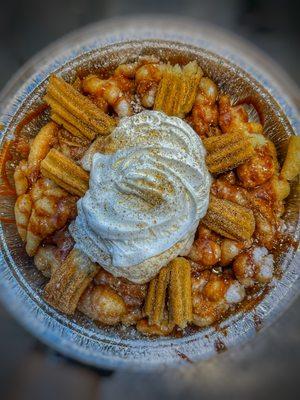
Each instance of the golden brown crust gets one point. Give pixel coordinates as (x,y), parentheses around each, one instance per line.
(22,209)
(168,300)
(76,112)
(229,219)
(156,297)
(177,89)
(180,292)
(233,142)
(291,166)
(69,281)
(41,146)
(225,152)
(102,304)
(205,113)
(45,209)
(192,74)
(65,172)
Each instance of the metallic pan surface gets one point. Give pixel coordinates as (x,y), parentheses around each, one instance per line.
(21,284)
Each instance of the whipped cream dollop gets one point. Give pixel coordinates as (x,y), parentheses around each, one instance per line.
(148,190)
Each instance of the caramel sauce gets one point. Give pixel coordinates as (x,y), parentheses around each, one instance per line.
(254,295)
(257,322)
(220,346)
(184,357)
(6,220)
(32,115)
(222,330)
(284,242)
(177,333)
(21,141)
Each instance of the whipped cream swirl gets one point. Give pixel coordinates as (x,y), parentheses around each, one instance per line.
(145,197)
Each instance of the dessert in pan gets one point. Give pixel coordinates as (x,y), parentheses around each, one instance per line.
(150,198)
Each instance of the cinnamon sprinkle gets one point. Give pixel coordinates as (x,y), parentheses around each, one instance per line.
(220,346)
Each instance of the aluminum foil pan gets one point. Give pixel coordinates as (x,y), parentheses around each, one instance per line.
(235,70)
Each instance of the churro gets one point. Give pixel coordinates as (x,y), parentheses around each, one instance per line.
(65,172)
(169,295)
(229,219)
(227,151)
(69,281)
(177,89)
(76,112)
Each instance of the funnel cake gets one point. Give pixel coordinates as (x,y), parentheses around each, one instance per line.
(117,206)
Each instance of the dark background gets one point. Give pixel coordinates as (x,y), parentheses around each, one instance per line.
(26,26)
(266,368)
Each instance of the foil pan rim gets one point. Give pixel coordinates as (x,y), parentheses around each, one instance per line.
(64,335)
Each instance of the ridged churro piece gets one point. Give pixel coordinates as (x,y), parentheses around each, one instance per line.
(227,151)
(169,298)
(65,173)
(155,306)
(76,112)
(177,89)
(192,74)
(69,281)
(229,219)
(68,126)
(180,292)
